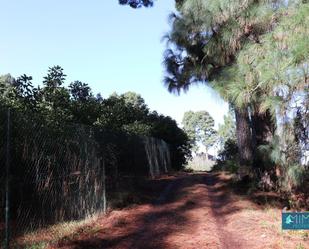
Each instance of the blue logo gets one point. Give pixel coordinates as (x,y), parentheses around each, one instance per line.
(295,221)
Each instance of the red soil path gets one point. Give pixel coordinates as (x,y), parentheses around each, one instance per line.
(194,211)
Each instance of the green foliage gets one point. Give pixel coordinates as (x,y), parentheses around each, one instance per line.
(80,91)
(228,157)
(57,106)
(84,107)
(166,128)
(283,154)
(41,245)
(272,71)
(55,77)
(230,166)
(229,151)
(200,128)
(296,175)
(300,246)
(137,128)
(227,130)
(206,36)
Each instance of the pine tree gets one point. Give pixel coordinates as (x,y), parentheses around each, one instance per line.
(200,128)
(204,43)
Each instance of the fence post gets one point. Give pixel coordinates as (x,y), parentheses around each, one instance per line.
(104,186)
(7,182)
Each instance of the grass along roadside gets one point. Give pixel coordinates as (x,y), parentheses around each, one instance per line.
(43,238)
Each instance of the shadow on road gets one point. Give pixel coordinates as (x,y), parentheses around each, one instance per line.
(152,225)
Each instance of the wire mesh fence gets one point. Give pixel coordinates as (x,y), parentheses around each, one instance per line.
(65,173)
(3,179)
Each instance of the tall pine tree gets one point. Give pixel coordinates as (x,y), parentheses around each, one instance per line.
(205,40)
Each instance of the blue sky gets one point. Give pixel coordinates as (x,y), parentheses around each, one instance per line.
(110,47)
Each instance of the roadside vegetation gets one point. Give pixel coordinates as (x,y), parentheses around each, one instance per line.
(57,105)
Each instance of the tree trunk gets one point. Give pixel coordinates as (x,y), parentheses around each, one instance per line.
(244,140)
(263,128)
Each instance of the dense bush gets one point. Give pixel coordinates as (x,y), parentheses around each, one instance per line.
(56,106)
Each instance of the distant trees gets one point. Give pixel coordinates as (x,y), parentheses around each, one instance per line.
(200,129)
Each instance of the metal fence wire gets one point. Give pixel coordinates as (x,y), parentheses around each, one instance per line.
(59,174)
(3,178)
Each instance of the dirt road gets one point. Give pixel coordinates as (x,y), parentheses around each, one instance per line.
(193,211)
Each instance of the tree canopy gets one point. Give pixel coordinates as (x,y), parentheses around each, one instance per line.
(200,128)
(56,105)
(226,131)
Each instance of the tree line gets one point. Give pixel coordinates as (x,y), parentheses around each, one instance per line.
(55,105)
